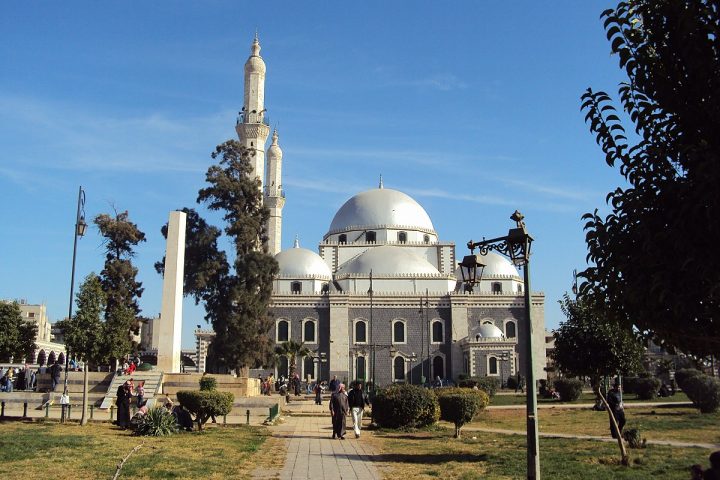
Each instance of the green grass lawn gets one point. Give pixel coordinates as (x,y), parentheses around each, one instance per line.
(682,424)
(519,399)
(54,451)
(435,454)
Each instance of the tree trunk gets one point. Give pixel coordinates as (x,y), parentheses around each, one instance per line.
(621,444)
(83,419)
(457,431)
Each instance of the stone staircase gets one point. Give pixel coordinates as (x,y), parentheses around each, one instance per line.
(153,380)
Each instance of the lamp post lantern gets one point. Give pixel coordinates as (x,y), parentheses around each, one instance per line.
(515,245)
(79,232)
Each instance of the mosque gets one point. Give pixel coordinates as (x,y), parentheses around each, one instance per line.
(381,299)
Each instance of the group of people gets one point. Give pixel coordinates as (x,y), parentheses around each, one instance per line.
(712,473)
(342,403)
(25,378)
(125,393)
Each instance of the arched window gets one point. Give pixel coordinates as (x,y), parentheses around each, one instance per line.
(308,368)
(399,331)
(426,238)
(438,367)
(492,366)
(61,358)
(437,331)
(283,331)
(41,358)
(283,368)
(51,358)
(309,331)
(296,287)
(342,239)
(360,368)
(370,237)
(402,237)
(466,363)
(510,330)
(399,368)
(361,331)
(497,287)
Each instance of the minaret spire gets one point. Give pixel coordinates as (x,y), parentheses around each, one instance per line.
(252,125)
(274,195)
(296,244)
(381,182)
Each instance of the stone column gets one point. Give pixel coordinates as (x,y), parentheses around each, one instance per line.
(170,322)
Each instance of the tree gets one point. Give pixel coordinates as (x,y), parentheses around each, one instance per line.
(652,260)
(17,336)
(236,299)
(84,333)
(119,284)
(590,345)
(292,350)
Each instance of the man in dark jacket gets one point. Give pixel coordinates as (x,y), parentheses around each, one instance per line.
(614,399)
(338,411)
(357,400)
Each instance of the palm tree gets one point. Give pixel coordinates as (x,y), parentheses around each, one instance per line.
(292,349)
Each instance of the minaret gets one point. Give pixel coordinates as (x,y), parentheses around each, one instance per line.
(251,126)
(274,195)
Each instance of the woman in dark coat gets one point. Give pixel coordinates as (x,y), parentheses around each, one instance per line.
(123,403)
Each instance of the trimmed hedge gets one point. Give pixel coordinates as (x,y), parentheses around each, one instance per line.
(569,389)
(405,406)
(704,391)
(206,403)
(684,374)
(144,367)
(646,388)
(488,384)
(208,383)
(460,405)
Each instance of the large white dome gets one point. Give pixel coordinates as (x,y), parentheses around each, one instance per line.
(388,260)
(302,263)
(488,330)
(381,208)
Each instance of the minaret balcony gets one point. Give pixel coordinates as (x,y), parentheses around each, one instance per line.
(253,117)
(274,192)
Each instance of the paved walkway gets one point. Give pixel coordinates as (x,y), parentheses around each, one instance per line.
(313,454)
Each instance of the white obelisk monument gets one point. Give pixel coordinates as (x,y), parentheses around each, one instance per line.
(170,324)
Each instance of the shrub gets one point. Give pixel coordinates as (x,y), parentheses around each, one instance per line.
(208,383)
(157,422)
(569,389)
(460,405)
(488,384)
(206,403)
(646,388)
(512,382)
(400,406)
(634,439)
(704,391)
(684,374)
(144,367)
(629,384)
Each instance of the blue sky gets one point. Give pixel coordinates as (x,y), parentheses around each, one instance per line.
(470,107)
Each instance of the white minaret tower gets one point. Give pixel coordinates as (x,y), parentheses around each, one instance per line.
(251,126)
(274,195)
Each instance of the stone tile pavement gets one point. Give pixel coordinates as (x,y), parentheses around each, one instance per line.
(312,454)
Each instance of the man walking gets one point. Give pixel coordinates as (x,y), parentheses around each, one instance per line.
(357,400)
(614,399)
(338,411)
(333,384)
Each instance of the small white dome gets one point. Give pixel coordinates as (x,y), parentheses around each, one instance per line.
(488,330)
(495,266)
(388,260)
(302,263)
(381,208)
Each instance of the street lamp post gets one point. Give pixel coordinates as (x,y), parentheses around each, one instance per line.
(412,357)
(504,357)
(79,231)
(516,245)
(372,338)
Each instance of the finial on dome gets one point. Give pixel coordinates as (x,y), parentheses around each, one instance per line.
(275,137)
(381,182)
(297,242)
(255,49)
